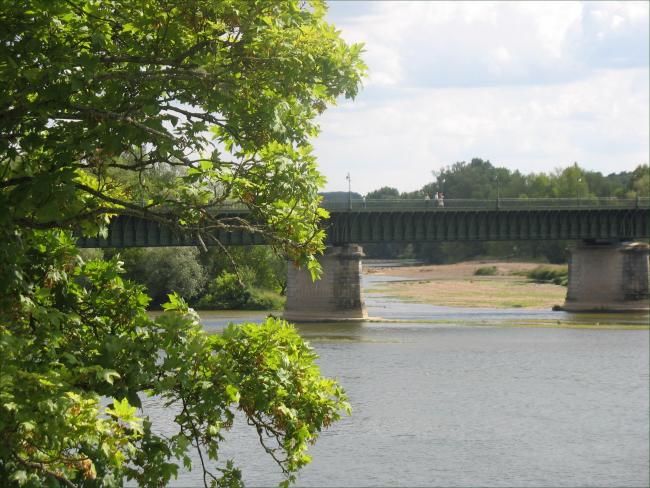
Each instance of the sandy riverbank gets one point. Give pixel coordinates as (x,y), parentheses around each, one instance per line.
(456,285)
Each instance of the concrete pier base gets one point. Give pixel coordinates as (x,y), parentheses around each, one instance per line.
(609,277)
(336,296)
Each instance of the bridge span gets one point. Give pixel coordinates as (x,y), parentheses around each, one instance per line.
(607,269)
(362,222)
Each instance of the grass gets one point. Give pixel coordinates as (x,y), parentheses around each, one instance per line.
(500,292)
(502,284)
(261,299)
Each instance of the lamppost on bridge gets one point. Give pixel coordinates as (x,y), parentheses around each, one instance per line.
(349,191)
(498,191)
(349,223)
(439,201)
(578,191)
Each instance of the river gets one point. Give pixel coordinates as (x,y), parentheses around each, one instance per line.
(469,397)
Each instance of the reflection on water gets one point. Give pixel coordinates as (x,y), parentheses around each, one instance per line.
(466,397)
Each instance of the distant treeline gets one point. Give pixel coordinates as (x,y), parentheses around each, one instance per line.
(480,179)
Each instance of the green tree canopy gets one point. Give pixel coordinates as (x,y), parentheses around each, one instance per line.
(225,91)
(384,193)
(172,110)
(163,270)
(479,179)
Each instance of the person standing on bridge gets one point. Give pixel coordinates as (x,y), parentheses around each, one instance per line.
(441,199)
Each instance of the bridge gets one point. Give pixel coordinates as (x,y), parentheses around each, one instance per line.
(607,270)
(407,221)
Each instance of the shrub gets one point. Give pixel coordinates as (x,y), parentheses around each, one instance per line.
(486,271)
(546,274)
(166,270)
(226,292)
(264,300)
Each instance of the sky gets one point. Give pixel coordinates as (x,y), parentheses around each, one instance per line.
(527,85)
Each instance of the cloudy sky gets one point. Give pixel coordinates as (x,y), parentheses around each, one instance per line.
(529,86)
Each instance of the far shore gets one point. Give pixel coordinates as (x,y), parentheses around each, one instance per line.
(456,285)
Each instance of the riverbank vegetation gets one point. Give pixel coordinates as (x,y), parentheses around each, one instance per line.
(547,274)
(486,271)
(169,111)
(558,275)
(248,278)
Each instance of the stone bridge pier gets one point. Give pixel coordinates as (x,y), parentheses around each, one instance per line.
(336,296)
(609,276)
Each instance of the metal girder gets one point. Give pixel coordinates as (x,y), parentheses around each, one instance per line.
(417,225)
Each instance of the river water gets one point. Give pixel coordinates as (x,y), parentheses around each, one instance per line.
(469,397)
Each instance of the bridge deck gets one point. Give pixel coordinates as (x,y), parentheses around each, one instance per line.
(405,221)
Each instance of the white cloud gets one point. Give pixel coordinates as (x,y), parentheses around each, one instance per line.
(438,43)
(602,123)
(528,85)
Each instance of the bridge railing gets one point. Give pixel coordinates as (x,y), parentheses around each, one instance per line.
(468,204)
(501,203)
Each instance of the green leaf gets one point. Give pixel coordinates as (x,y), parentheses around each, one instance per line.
(107,375)
(233,393)
(122,410)
(175,303)
(19,476)
(128,27)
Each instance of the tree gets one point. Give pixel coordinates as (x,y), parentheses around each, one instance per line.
(640,181)
(163,270)
(98,97)
(384,193)
(571,182)
(476,179)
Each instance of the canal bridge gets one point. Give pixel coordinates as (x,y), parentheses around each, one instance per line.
(607,269)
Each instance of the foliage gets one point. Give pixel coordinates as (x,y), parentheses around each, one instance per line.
(486,271)
(640,181)
(384,193)
(173,111)
(227,292)
(165,270)
(193,275)
(480,179)
(262,299)
(340,196)
(225,92)
(260,266)
(100,341)
(545,274)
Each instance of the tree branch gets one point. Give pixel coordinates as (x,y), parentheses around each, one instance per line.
(15,181)
(177,61)
(40,467)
